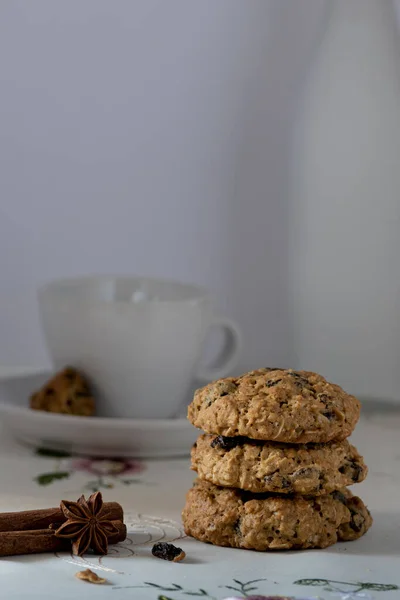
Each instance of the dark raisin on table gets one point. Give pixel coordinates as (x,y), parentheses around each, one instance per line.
(168,552)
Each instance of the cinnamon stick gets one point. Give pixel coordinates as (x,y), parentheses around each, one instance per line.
(43,518)
(14,543)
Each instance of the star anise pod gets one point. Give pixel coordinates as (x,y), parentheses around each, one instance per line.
(86,525)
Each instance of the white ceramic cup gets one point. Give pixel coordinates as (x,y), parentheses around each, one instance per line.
(138,340)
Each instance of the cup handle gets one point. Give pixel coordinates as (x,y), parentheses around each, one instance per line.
(228,357)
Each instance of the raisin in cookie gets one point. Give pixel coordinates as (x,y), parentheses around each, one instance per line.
(227,517)
(277,405)
(256,466)
(67,392)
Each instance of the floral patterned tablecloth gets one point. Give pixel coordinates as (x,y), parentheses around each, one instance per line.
(152,494)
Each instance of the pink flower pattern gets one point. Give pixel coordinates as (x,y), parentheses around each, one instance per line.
(113,467)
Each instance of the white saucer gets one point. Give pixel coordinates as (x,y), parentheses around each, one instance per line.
(92,436)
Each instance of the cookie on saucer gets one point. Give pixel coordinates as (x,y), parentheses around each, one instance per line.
(68,393)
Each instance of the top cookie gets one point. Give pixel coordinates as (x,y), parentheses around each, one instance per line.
(276,405)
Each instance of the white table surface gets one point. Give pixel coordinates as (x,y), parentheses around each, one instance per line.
(152,494)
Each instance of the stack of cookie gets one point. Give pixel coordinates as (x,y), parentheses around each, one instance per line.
(274,463)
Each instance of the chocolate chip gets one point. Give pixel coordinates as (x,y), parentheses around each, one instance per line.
(323,398)
(299,384)
(357,471)
(329,414)
(271,383)
(356,521)
(226,443)
(352,469)
(339,496)
(209,401)
(236,527)
(225,388)
(299,378)
(305,472)
(269,478)
(50,391)
(327,401)
(284,482)
(168,552)
(70,373)
(302,382)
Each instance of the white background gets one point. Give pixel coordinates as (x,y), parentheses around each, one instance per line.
(150,137)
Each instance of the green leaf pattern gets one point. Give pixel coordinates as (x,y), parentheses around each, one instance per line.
(48,478)
(350,589)
(52,453)
(343,590)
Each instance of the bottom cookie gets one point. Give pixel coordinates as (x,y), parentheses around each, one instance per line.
(229,517)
